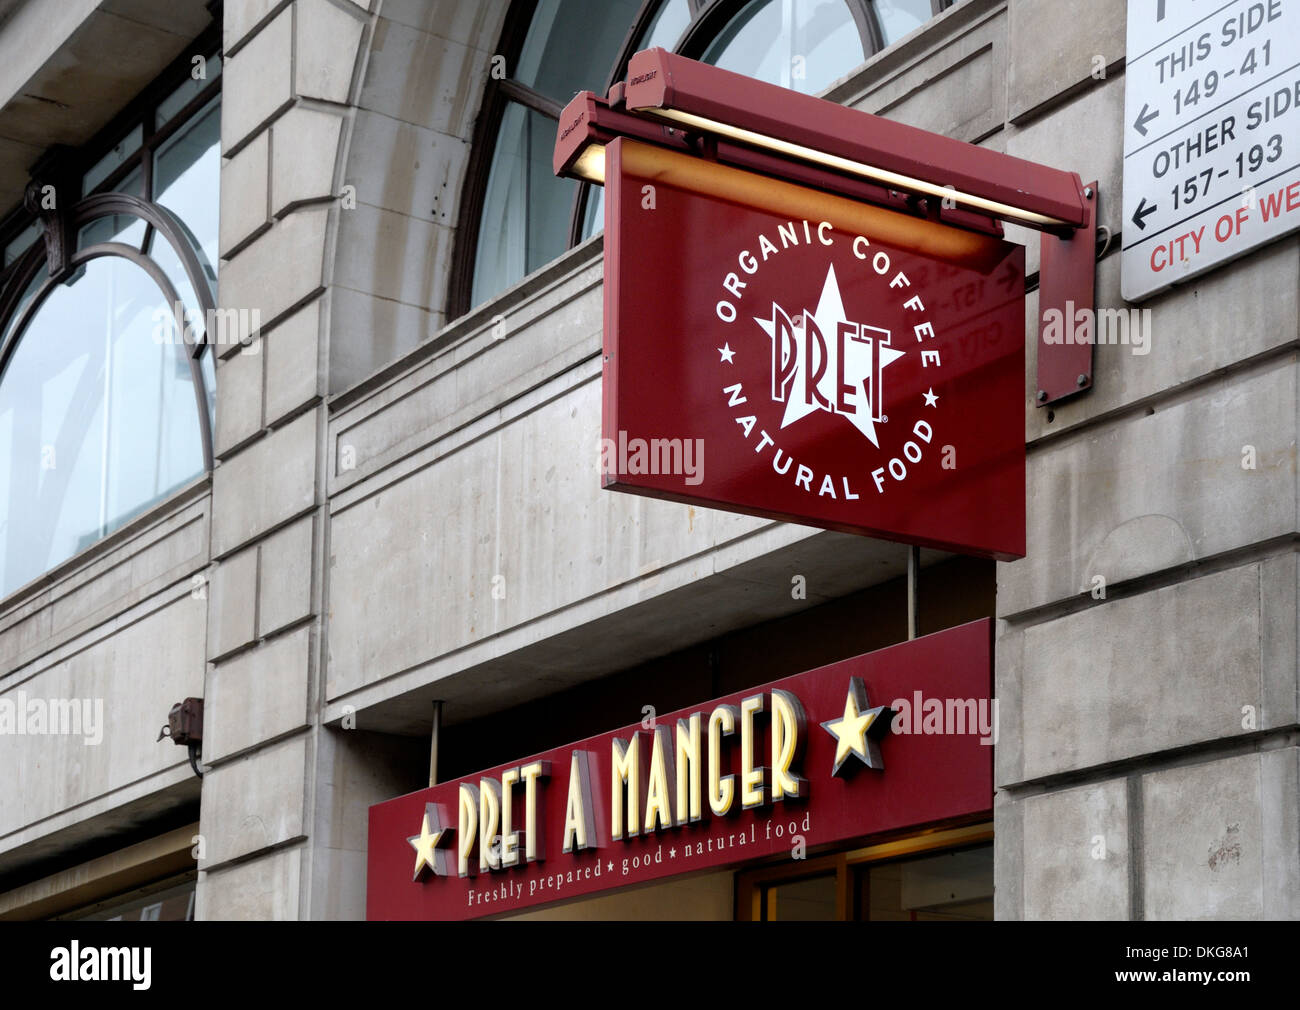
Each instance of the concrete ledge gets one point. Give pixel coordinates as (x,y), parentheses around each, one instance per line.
(168,544)
(101,878)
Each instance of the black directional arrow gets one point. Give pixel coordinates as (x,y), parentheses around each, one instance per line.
(1141,123)
(1142,213)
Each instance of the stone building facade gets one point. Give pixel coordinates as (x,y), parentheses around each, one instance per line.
(403,508)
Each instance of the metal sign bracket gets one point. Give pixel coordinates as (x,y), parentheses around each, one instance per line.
(1067,279)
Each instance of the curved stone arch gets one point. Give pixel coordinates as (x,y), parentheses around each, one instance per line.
(402,155)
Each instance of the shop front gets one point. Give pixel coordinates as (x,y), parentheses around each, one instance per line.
(797,326)
(862,789)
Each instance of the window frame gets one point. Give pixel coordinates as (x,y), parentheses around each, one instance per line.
(66,166)
(93,208)
(707,19)
(54,253)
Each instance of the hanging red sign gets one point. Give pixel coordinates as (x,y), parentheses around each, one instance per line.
(896,739)
(780,351)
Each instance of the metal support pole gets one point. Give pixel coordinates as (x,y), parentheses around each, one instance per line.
(913,596)
(433,743)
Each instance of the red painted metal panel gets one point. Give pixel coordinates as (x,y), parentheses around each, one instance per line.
(897,414)
(937,768)
(1067,283)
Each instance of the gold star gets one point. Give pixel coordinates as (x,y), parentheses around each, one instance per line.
(432,834)
(858,729)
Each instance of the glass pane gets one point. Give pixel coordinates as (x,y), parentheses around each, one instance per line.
(162,253)
(104,167)
(811,900)
(525,218)
(207,366)
(125,228)
(187,181)
(593,218)
(171,904)
(21,242)
(188,91)
(899,17)
(98,420)
(23,301)
(572,45)
(950,887)
(667,26)
(805,45)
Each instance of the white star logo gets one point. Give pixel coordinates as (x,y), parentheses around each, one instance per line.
(930,399)
(866,351)
(727,353)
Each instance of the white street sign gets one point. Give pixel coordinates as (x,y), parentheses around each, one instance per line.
(1211,135)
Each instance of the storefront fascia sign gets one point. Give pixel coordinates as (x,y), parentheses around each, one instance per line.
(894,740)
(714,114)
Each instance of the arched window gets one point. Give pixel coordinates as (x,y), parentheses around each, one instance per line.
(515,215)
(106,379)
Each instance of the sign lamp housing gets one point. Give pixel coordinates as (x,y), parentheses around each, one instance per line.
(692,107)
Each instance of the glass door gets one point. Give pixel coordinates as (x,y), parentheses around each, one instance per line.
(929,877)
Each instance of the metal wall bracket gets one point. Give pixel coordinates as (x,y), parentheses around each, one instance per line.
(1067,278)
(49,198)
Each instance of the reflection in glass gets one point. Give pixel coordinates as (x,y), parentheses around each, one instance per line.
(593,218)
(808,900)
(152,904)
(666,27)
(805,45)
(525,217)
(187,179)
(899,17)
(572,44)
(162,253)
(24,300)
(949,887)
(23,241)
(98,420)
(125,228)
(104,167)
(187,92)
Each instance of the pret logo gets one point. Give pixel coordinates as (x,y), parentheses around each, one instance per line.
(843,375)
(825,362)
